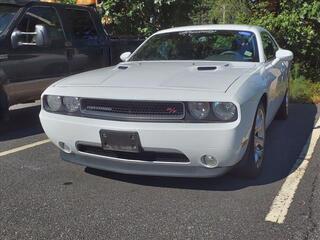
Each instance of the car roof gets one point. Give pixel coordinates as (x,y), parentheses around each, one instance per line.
(235,27)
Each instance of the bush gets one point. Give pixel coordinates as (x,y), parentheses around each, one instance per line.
(303,90)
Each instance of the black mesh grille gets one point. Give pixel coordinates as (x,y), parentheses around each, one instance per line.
(139,110)
(142,156)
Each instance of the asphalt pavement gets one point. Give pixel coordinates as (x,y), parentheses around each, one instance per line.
(42,197)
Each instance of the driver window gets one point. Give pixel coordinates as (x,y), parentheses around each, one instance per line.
(47,17)
(269,46)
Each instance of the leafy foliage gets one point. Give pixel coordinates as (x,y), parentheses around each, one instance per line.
(219,11)
(143,17)
(296,26)
(304,91)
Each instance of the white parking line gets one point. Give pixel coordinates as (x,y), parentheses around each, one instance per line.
(18,149)
(281,203)
(25,105)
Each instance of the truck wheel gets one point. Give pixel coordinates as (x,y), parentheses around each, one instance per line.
(4,108)
(251,164)
(283,111)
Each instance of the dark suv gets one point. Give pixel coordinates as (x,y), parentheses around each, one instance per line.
(43,42)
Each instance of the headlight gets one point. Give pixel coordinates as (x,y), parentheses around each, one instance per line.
(54,103)
(199,110)
(225,111)
(72,104)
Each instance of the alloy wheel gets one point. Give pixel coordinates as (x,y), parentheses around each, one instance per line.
(259,138)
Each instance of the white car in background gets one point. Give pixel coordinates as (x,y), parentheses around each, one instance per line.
(189,102)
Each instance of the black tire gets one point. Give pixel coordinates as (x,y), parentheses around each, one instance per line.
(4,108)
(249,167)
(283,111)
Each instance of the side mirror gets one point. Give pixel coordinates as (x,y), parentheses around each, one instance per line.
(15,38)
(284,55)
(40,37)
(124,56)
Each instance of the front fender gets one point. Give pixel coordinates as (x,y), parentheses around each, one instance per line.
(248,92)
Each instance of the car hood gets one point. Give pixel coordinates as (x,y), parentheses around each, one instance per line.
(211,76)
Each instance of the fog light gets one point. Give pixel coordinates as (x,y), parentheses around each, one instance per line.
(209,161)
(64,147)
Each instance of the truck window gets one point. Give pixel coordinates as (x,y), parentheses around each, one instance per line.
(83,30)
(7,13)
(47,17)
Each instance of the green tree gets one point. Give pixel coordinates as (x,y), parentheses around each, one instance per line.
(143,17)
(296,26)
(219,11)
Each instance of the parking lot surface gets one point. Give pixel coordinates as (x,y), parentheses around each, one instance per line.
(42,197)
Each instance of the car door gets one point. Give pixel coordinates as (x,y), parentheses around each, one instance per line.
(30,68)
(273,75)
(87,49)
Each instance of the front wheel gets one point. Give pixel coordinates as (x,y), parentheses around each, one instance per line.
(251,164)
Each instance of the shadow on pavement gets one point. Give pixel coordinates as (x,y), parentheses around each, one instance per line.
(23,122)
(285,141)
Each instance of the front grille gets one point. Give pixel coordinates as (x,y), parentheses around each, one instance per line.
(133,110)
(148,156)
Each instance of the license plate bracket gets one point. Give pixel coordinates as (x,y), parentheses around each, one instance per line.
(120,141)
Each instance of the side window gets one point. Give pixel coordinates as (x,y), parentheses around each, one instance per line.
(83,29)
(47,17)
(269,46)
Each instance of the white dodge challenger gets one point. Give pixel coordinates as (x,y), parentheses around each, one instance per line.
(189,102)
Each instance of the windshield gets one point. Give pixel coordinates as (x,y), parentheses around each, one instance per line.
(7,13)
(213,45)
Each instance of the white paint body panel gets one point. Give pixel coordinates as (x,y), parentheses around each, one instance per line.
(243,83)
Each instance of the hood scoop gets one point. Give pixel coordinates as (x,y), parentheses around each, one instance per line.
(207,68)
(123,67)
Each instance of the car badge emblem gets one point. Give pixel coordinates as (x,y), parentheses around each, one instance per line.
(171,110)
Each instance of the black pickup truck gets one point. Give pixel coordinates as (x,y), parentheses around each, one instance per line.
(43,42)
